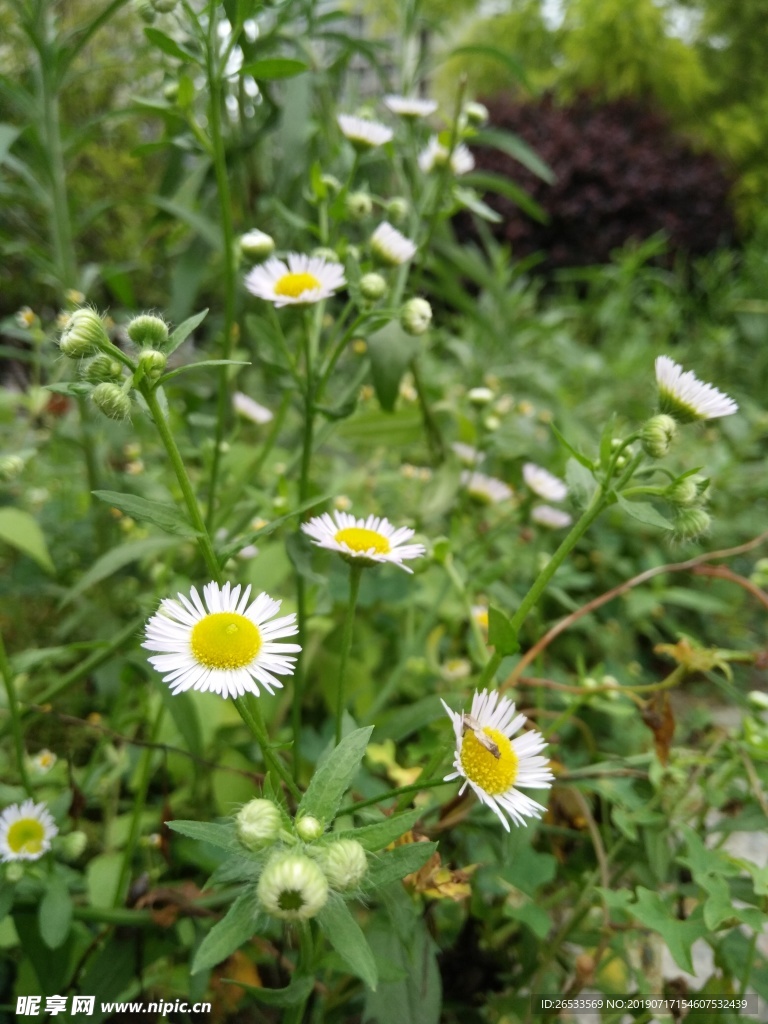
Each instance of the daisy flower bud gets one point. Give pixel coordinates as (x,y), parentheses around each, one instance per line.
(292,887)
(410,106)
(685,492)
(145,11)
(256,245)
(373,287)
(148,331)
(390,247)
(102,367)
(398,209)
(84,334)
(476,114)
(345,864)
(480,396)
(163,6)
(153,362)
(258,824)
(416,316)
(309,828)
(359,205)
(112,401)
(691,523)
(657,435)
(10,467)
(73,845)
(758,700)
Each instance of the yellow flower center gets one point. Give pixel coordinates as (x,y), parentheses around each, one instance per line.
(493,774)
(225,640)
(359,539)
(26,836)
(296,284)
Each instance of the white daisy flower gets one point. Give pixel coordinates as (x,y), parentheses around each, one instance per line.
(292,887)
(43,761)
(302,280)
(494,764)
(224,645)
(552,518)
(250,409)
(390,246)
(368,540)
(26,831)
(485,489)
(684,397)
(436,154)
(410,106)
(467,454)
(543,483)
(362,132)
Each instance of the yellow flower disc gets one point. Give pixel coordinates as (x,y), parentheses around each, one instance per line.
(296,284)
(359,539)
(492,774)
(26,836)
(225,640)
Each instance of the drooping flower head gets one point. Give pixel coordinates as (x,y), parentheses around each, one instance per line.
(494,764)
(221,643)
(552,518)
(436,155)
(390,246)
(304,279)
(544,483)
(362,132)
(410,106)
(684,397)
(367,541)
(26,831)
(485,489)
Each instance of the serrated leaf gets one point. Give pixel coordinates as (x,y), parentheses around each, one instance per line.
(395,864)
(501,635)
(159,513)
(569,447)
(115,560)
(293,995)
(223,836)
(55,913)
(345,935)
(274,67)
(241,921)
(20,529)
(183,331)
(381,833)
(333,776)
(644,512)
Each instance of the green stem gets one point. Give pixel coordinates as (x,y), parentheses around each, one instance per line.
(355,575)
(415,787)
(7,673)
(169,442)
(250,712)
(61,230)
(304,967)
(139,801)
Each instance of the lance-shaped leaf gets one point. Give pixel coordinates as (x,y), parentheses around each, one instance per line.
(333,776)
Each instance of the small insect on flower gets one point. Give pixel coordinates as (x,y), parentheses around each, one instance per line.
(303,280)
(225,645)
(365,541)
(493,763)
(26,831)
(684,397)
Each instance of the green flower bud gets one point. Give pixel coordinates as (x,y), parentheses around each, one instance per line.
(153,362)
(258,824)
(397,209)
(345,864)
(309,828)
(112,401)
(257,245)
(416,316)
(657,435)
(73,845)
(758,700)
(14,872)
(84,334)
(327,254)
(102,367)
(292,887)
(476,114)
(373,286)
(163,6)
(690,523)
(359,205)
(685,492)
(480,396)
(10,467)
(148,331)
(145,11)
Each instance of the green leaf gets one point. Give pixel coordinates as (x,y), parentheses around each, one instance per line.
(241,921)
(293,995)
(7,892)
(581,482)
(519,150)
(115,560)
(274,67)
(183,711)
(207,229)
(532,915)
(167,45)
(569,447)
(394,865)
(55,913)
(8,135)
(345,935)
(206,362)
(223,836)
(21,531)
(159,513)
(183,331)
(479,50)
(390,351)
(501,635)
(488,182)
(644,512)
(679,936)
(381,833)
(415,997)
(333,776)
(473,202)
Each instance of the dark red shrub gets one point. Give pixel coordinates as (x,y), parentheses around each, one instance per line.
(622,173)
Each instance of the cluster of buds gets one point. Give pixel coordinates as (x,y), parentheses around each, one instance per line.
(303,864)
